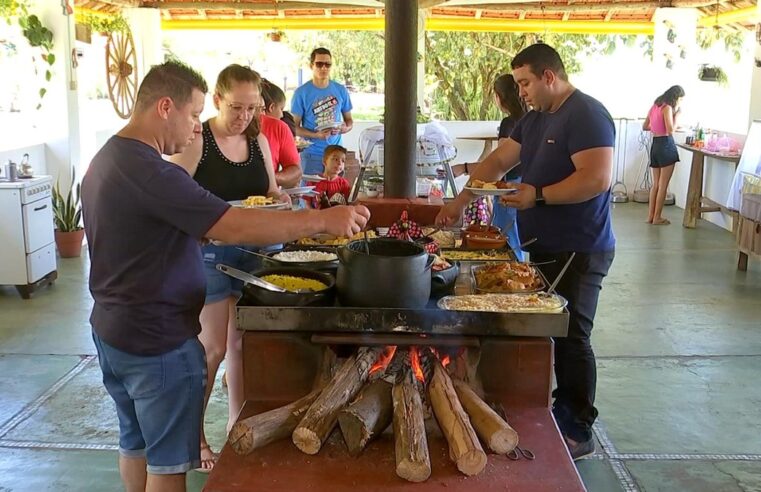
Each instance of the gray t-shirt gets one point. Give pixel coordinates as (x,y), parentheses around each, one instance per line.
(143,218)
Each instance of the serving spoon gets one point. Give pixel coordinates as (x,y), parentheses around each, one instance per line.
(251,279)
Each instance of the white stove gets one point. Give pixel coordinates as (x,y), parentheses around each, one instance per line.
(28,258)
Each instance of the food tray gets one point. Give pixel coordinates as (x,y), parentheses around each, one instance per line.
(538,277)
(477,255)
(502,303)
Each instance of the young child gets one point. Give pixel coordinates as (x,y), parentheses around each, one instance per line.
(335,187)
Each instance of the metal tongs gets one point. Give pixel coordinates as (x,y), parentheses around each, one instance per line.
(247,277)
(555,282)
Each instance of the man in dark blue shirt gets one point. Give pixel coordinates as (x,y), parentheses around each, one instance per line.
(144,218)
(565,147)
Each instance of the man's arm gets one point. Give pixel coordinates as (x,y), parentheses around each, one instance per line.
(496,165)
(190,157)
(289,176)
(303,132)
(348,123)
(252,226)
(593,174)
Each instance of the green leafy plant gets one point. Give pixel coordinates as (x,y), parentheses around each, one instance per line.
(67,212)
(36,34)
(712,73)
(104,24)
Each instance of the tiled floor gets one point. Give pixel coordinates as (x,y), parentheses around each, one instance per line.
(678,337)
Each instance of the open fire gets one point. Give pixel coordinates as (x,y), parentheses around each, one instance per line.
(380,386)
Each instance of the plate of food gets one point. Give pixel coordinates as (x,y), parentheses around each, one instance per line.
(300,190)
(302,143)
(330,126)
(494,188)
(540,302)
(328,240)
(259,201)
(507,277)
(312,177)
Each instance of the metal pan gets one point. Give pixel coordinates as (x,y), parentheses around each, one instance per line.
(541,283)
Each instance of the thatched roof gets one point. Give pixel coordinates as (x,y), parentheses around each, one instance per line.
(635,11)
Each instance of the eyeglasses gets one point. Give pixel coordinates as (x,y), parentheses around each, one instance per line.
(322,64)
(239,109)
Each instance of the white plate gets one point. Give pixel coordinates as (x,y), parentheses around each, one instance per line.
(330,126)
(239,204)
(312,177)
(491,192)
(299,191)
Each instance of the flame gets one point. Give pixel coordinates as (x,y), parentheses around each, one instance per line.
(445,359)
(384,359)
(415,363)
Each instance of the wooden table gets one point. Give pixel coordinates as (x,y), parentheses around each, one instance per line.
(698,204)
(488,144)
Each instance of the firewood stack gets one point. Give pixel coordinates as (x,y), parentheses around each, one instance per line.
(376,388)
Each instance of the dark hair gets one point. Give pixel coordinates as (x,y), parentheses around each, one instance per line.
(318,51)
(540,57)
(172,79)
(272,94)
(507,91)
(239,74)
(331,149)
(671,96)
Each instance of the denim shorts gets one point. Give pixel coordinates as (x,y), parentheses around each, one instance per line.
(312,163)
(159,402)
(219,285)
(663,152)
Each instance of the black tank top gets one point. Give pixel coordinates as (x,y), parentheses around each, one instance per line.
(227,179)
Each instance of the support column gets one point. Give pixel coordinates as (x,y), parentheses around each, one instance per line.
(421,54)
(755,84)
(400,98)
(145,25)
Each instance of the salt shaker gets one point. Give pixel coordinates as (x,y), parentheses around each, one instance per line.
(11,171)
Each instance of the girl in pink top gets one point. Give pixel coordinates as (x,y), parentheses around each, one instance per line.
(661,121)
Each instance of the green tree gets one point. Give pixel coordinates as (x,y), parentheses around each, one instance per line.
(357,55)
(461,66)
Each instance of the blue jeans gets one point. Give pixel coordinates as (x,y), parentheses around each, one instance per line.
(159,402)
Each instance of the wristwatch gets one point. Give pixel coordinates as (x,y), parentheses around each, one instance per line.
(539,201)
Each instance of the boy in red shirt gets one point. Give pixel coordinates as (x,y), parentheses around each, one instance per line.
(335,187)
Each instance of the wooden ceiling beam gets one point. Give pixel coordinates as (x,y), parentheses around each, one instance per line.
(288,5)
(123,3)
(583,6)
(428,4)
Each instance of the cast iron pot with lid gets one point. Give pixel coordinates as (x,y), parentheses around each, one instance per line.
(394,274)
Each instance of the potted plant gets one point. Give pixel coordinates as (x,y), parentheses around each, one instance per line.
(712,73)
(67,215)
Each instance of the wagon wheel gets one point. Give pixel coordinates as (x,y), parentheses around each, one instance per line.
(121,72)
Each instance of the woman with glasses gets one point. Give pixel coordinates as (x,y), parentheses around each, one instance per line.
(231,159)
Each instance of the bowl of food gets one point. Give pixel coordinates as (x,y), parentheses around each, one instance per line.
(443,276)
(302,288)
(323,258)
(483,237)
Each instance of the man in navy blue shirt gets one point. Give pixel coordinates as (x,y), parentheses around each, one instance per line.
(565,147)
(144,218)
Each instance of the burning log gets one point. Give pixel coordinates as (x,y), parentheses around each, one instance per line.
(372,411)
(464,448)
(367,417)
(321,417)
(411,444)
(264,428)
(493,430)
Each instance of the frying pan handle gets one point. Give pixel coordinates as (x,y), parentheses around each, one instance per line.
(248,278)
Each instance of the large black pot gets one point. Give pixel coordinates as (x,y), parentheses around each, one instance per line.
(395,274)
